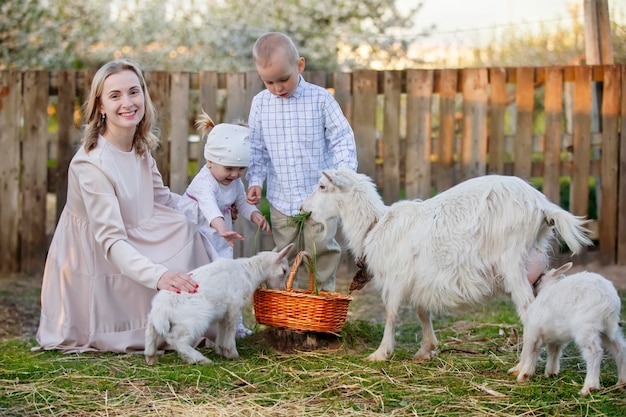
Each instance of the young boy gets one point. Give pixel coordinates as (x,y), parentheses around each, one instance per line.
(297,130)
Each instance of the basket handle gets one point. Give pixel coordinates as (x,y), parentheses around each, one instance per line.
(294,270)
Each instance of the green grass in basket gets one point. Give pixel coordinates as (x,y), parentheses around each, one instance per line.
(298,221)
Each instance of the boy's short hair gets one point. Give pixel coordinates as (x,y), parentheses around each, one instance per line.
(269,44)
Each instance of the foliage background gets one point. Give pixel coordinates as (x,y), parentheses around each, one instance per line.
(217,35)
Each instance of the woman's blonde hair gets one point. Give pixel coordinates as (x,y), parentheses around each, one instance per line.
(146,135)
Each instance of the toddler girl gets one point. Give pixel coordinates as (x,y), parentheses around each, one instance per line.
(218,189)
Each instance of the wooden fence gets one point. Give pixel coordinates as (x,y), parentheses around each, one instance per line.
(418,132)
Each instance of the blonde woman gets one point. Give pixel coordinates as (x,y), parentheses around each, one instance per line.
(119,238)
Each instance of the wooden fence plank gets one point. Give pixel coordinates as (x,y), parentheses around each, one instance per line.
(445,177)
(497,107)
(10,113)
(608,165)
(365,86)
(581,141)
(35,171)
(343,92)
(179,136)
(474,138)
(207,85)
(418,133)
(621,209)
(254,85)
(524,101)
(208,94)
(65,135)
(235,100)
(159,87)
(391,136)
(553,105)
(316,77)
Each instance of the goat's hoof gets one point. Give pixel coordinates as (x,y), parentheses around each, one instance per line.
(151,360)
(232,357)
(377,357)
(513,371)
(423,356)
(201,361)
(587,390)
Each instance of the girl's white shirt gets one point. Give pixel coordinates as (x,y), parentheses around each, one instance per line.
(206,199)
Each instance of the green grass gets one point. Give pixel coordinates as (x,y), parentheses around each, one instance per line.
(468,377)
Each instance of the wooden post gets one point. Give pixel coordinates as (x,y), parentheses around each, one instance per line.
(598,43)
(598,51)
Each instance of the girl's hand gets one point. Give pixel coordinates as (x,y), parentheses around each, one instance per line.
(177,282)
(231,235)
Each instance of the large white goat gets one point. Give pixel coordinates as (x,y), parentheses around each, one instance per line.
(583,307)
(478,238)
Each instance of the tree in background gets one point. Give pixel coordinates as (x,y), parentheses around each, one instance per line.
(217,35)
(58,34)
(199,35)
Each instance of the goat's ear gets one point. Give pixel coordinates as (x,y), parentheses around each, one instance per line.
(285,251)
(336,180)
(328,177)
(563,269)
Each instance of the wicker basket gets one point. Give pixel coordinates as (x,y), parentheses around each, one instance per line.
(301,310)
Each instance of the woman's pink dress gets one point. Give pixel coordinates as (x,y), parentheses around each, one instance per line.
(116,236)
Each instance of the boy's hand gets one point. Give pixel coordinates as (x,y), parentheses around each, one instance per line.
(260,220)
(254,195)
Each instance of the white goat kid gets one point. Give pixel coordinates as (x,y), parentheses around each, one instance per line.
(456,249)
(225,287)
(583,307)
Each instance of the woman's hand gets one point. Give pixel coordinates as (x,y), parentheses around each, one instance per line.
(177,282)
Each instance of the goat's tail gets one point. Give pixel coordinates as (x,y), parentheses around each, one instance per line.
(570,228)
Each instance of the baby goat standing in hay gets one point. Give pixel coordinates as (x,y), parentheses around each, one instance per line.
(583,307)
(225,286)
(456,249)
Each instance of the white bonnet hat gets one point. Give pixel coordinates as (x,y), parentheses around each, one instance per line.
(228,145)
